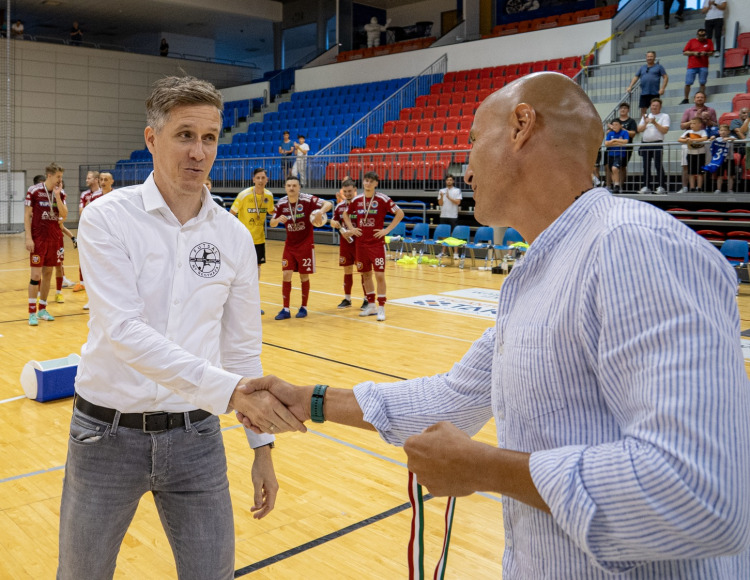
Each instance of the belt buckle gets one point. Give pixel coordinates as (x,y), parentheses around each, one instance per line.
(152,414)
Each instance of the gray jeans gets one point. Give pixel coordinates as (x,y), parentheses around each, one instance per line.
(107,471)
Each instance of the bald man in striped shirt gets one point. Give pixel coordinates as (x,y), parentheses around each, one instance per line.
(614,371)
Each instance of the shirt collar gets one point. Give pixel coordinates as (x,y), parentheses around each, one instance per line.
(570,219)
(153,199)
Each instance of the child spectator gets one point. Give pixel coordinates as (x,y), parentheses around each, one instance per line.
(722,159)
(616,154)
(695,138)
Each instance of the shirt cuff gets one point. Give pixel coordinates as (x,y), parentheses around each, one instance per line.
(256,440)
(218,386)
(372,403)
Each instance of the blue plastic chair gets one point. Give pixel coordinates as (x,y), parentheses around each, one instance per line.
(484,239)
(441,232)
(399,230)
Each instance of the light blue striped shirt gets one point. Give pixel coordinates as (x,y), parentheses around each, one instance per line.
(615,361)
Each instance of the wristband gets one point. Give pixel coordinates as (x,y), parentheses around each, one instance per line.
(316,404)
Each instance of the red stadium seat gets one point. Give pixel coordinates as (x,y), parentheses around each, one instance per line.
(743,215)
(524,68)
(539,66)
(459,87)
(740,100)
(400,126)
(449,137)
(735,58)
(425,126)
(438,124)
(498,71)
(554,64)
(437,88)
(412,127)
(485,73)
(420,141)
(571,62)
(711,235)
(738,235)
(708,217)
(421,101)
(454,110)
(449,77)
(451,124)
(434,139)
(727,118)
(487,84)
(394,141)
(743,40)
(681,218)
(389,127)
(428,113)
(405,114)
(441,112)
(382,141)
(371,141)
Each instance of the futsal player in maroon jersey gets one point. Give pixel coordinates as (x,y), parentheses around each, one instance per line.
(295,211)
(347,242)
(45,206)
(370,208)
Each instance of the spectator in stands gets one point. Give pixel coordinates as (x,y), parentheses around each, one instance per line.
(654,80)
(164,47)
(697,50)
(699,107)
(738,129)
(714,23)
(616,154)
(628,124)
(653,126)
(706,114)
(695,138)
(297,211)
(722,159)
(449,200)
(299,169)
(373,30)
(668,9)
(16,30)
(286,148)
(613,372)
(76,34)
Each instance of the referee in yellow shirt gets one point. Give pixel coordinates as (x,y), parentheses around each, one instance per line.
(251,207)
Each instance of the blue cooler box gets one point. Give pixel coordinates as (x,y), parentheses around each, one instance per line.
(50,379)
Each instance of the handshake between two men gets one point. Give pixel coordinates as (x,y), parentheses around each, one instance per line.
(443,457)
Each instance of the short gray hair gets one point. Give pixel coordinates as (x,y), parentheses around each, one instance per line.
(172,92)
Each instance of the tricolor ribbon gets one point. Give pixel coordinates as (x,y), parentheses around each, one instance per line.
(416,541)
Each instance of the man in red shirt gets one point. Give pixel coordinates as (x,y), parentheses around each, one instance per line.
(45,205)
(371,208)
(697,50)
(347,246)
(295,211)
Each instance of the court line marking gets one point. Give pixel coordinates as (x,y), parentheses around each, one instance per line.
(12,399)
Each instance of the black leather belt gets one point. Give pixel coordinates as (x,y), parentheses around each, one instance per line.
(151,422)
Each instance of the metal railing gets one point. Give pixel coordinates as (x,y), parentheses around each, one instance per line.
(631,21)
(607,82)
(415,171)
(388,110)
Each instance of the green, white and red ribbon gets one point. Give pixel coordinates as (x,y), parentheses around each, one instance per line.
(416,540)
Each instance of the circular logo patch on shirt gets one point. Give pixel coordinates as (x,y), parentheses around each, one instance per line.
(205,260)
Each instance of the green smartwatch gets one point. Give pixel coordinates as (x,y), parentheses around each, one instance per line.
(316,404)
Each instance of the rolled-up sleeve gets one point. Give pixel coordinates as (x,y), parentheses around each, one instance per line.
(462,396)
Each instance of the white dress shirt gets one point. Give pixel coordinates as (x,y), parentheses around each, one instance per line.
(616,362)
(175,309)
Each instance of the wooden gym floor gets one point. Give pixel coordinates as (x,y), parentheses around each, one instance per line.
(340,512)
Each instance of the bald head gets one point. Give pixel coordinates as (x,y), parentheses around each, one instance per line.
(535,143)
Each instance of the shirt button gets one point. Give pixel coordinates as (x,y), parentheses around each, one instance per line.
(176,302)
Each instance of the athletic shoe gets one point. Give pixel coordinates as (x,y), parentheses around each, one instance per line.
(262,312)
(59,298)
(44,315)
(301,313)
(684,190)
(78,287)
(33,320)
(67,283)
(86,306)
(381,313)
(365,304)
(283,315)
(371,310)
(644,190)
(661,191)
(345,303)
(684,102)
(717,191)
(730,191)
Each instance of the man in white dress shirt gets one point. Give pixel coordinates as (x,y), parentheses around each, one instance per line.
(614,371)
(175,329)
